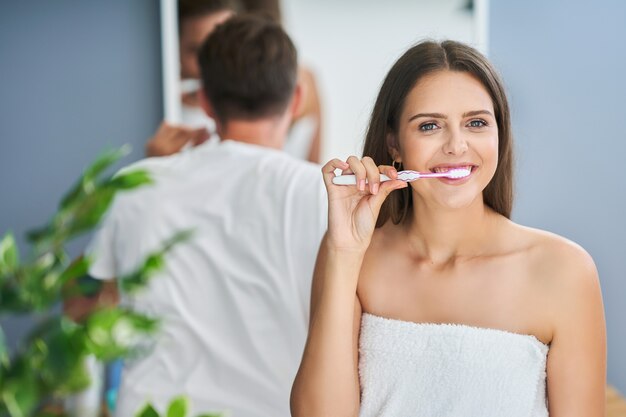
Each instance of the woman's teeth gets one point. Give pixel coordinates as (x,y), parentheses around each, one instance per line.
(446,169)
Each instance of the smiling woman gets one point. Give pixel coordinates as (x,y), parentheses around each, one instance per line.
(427,299)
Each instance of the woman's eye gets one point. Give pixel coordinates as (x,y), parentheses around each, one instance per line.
(427,127)
(477,123)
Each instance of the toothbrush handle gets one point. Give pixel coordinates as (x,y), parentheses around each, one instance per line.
(351,179)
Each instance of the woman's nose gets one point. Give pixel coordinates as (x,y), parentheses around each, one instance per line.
(455,144)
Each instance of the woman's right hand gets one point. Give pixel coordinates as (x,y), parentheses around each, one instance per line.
(353,209)
(170,139)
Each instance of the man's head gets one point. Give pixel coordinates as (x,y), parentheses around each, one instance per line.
(249,69)
(196,20)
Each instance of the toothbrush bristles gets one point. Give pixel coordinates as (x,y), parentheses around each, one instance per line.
(458,173)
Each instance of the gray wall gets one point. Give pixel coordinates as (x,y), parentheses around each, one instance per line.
(564,63)
(76,77)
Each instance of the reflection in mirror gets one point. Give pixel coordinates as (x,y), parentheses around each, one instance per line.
(344,48)
(195,20)
(185,26)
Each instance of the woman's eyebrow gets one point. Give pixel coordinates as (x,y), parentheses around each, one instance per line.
(477,112)
(443,116)
(431,115)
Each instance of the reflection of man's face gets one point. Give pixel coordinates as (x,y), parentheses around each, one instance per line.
(193,31)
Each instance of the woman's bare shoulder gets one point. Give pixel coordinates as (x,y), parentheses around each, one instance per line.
(557,263)
(563,277)
(553,252)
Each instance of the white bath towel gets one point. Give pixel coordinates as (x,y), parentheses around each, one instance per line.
(444,370)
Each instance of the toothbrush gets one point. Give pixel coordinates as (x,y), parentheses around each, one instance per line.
(407,176)
(190,85)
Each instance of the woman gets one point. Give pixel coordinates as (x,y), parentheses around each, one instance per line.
(427,299)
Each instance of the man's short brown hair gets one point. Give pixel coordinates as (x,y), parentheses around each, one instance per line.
(249,68)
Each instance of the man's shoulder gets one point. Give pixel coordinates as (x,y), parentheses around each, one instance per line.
(303,178)
(264,162)
(156,168)
(227,163)
(153,165)
(281,162)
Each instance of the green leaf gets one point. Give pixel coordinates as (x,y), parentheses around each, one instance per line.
(10,402)
(114,332)
(9,256)
(153,263)
(20,393)
(84,184)
(89,212)
(105,160)
(54,353)
(179,237)
(73,195)
(75,378)
(138,279)
(178,407)
(129,180)
(77,269)
(40,233)
(10,300)
(147,411)
(84,286)
(63,367)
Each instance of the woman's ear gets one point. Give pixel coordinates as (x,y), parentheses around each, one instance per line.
(392,146)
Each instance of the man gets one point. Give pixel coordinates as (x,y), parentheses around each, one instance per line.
(233,300)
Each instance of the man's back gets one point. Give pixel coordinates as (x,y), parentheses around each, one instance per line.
(234,300)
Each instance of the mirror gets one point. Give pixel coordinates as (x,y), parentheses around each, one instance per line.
(348,47)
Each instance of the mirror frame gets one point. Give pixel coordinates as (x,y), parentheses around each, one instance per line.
(170,61)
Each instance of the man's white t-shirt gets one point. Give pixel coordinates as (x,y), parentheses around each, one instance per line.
(234,300)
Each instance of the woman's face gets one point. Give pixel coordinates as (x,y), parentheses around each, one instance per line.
(194,30)
(448,122)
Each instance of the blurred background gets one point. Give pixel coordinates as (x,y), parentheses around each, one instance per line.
(77,77)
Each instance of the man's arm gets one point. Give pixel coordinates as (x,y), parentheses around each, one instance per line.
(88,294)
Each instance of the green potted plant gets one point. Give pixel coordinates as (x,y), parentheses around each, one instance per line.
(49,364)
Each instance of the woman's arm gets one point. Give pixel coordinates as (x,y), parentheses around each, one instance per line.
(312,108)
(327,382)
(576,369)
